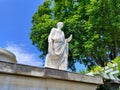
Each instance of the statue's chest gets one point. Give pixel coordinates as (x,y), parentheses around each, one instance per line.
(59,34)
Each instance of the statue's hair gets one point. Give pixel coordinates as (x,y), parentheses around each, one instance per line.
(59,23)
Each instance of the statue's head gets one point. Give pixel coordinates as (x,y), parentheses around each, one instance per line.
(60,25)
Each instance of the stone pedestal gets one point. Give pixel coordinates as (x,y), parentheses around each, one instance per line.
(7,56)
(23,77)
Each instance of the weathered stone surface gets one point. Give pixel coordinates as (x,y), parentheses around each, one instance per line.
(55,73)
(57,56)
(14,68)
(84,78)
(23,77)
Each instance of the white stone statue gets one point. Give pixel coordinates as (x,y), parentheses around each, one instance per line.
(57,56)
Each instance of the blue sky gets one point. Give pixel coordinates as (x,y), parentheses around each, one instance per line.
(15,23)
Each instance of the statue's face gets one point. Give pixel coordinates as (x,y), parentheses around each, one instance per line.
(60,25)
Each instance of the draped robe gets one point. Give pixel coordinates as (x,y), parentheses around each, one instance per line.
(57,56)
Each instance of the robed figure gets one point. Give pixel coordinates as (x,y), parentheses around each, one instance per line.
(57,56)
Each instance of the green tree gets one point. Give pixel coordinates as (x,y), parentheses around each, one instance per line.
(95,25)
(104,19)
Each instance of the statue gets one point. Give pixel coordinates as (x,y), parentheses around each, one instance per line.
(57,56)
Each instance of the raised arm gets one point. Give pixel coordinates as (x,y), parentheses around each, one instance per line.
(69,38)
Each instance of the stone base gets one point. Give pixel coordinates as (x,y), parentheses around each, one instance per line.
(22,77)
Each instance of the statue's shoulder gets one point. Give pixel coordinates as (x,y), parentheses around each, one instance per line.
(53,29)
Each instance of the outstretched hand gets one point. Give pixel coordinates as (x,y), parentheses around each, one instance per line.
(70,38)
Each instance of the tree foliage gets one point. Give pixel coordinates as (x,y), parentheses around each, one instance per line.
(95,25)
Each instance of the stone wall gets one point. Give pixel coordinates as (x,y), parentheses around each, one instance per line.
(22,77)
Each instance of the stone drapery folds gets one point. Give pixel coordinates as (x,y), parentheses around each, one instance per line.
(57,56)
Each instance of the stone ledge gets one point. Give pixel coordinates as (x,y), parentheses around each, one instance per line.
(19,69)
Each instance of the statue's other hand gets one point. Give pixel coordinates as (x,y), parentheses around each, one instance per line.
(70,38)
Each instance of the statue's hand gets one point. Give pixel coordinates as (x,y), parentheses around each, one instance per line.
(70,38)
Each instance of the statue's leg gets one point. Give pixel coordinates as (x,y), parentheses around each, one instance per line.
(48,61)
(63,65)
(66,57)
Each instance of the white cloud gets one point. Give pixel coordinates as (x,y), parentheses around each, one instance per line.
(23,56)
